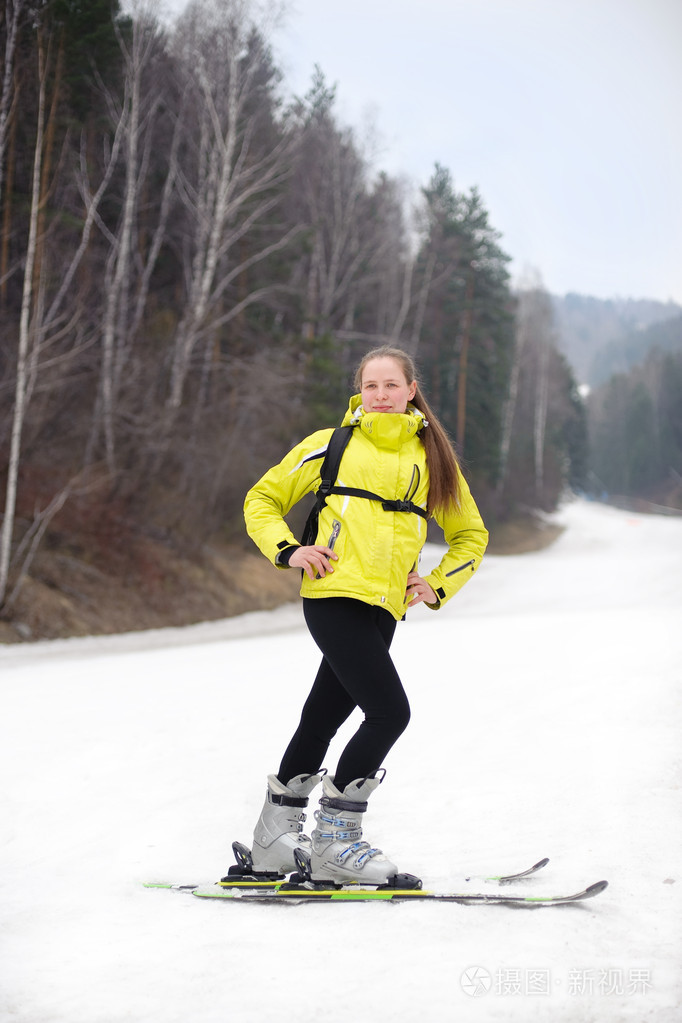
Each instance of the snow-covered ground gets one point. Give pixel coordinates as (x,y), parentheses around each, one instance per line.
(546,722)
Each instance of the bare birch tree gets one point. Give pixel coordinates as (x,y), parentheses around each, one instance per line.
(233,185)
(8,125)
(541,396)
(13,11)
(334,189)
(51,329)
(530,375)
(522,337)
(355,279)
(389,269)
(135,119)
(27,348)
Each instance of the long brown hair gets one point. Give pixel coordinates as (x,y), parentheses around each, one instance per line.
(444,471)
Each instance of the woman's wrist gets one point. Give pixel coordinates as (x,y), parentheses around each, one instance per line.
(284,556)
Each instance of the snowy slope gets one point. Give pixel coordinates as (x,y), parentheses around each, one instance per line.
(546,722)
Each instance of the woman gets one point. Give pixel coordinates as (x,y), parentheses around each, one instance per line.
(355,588)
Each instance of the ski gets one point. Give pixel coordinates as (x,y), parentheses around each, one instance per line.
(270,881)
(171,886)
(298,894)
(243,882)
(508,878)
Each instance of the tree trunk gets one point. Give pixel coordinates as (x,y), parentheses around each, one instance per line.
(510,409)
(13,10)
(7,210)
(540,415)
(118,290)
(464,364)
(25,356)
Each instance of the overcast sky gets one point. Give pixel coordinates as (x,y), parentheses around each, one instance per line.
(566,114)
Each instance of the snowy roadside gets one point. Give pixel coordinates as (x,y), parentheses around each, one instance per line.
(254,623)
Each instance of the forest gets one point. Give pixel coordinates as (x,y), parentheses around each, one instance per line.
(190,268)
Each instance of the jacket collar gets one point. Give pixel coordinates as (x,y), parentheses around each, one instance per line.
(385,429)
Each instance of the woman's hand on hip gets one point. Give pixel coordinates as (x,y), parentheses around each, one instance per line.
(419,590)
(313,560)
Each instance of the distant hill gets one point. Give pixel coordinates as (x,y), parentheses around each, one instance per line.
(604,336)
(632,349)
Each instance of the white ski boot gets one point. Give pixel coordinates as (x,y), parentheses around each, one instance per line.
(279,831)
(338,852)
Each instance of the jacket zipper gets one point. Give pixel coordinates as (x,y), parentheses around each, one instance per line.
(461,568)
(336,529)
(414,484)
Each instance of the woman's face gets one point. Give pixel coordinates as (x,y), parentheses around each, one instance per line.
(384,387)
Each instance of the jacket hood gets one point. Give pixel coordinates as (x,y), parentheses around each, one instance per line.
(385,429)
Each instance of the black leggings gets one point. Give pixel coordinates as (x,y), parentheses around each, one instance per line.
(356,671)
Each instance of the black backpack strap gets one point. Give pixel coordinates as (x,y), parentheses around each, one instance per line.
(396,506)
(332,461)
(328,473)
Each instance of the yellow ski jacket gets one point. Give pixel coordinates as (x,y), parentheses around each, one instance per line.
(376,548)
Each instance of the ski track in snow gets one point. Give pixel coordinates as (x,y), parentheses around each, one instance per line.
(546,722)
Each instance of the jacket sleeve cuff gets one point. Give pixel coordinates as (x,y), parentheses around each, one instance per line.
(282,558)
(440,594)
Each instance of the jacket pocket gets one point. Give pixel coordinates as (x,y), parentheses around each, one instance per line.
(467,564)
